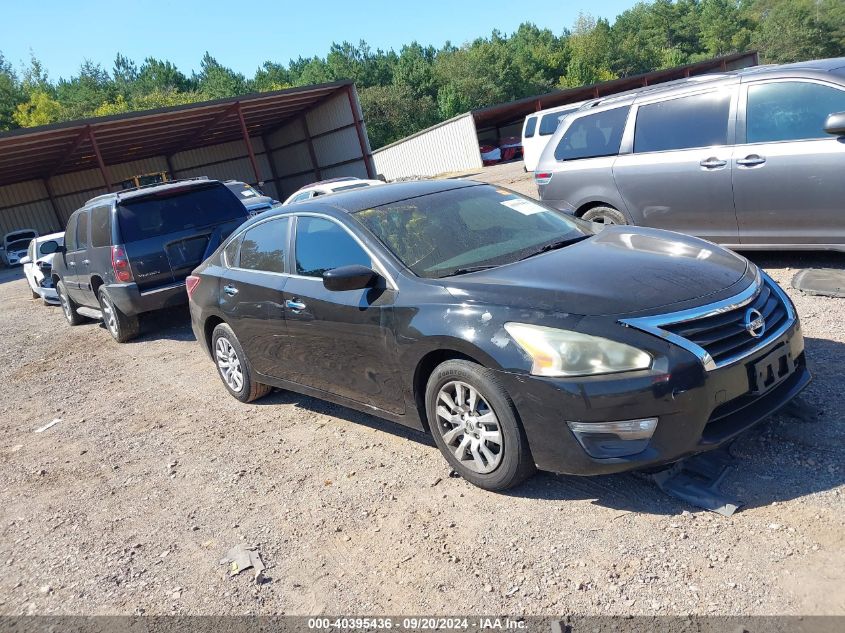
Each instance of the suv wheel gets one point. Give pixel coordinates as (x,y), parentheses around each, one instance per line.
(605,215)
(68,306)
(233,366)
(123,328)
(475,426)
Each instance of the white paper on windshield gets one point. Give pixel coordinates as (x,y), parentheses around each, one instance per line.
(525,207)
(247,193)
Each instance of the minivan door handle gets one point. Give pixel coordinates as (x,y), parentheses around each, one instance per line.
(751,160)
(230,290)
(713,162)
(294,304)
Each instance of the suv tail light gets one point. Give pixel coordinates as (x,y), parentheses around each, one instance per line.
(191,283)
(120,265)
(543,177)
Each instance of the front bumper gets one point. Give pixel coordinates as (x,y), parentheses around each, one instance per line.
(697,410)
(130,300)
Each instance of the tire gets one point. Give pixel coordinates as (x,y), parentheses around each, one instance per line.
(226,350)
(511,462)
(35,295)
(68,306)
(121,326)
(605,215)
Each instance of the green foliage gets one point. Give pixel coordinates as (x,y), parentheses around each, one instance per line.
(420,85)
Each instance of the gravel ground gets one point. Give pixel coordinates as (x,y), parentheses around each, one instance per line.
(153,473)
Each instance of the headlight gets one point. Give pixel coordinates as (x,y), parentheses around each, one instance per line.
(565,353)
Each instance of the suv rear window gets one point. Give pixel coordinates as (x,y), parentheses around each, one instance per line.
(171,211)
(530,126)
(686,122)
(593,135)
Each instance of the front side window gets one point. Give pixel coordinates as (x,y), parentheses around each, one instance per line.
(70,233)
(322,245)
(683,123)
(593,135)
(790,110)
(441,234)
(82,231)
(530,126)
(101,226)
(263,247)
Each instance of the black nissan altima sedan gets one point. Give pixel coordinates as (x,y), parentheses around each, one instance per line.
(519,337)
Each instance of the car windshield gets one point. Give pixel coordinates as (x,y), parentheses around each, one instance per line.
(447,233)
(19,245)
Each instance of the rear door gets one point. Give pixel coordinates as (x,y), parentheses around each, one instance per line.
(251,292)
(170,232)
(789,175)
(677,175)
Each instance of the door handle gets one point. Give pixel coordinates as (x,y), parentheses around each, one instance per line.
(713,162)
(71,263)
(751,160)
(86,261)
(230,290)
(294,304)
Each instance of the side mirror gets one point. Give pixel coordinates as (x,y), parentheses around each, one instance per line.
(353,277)
(25,259)
(49,247)
(835,124)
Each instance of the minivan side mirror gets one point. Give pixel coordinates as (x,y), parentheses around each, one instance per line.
(835,124)
(49,247)
(354,277)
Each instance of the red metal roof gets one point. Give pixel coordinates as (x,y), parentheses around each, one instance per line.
(45,151)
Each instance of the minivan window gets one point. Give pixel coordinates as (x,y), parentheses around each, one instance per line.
(687,122)
(101,226)
(82,231)
(263,246)
(70,233)
(171,211)
(530,126)
(790,110)
(549,123)
(322,245)
(593,135)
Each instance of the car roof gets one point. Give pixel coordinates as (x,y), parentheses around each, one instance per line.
(140,192)
(50,236)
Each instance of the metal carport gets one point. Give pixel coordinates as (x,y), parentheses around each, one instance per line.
(278,140)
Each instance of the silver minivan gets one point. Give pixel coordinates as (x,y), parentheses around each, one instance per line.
(752,159)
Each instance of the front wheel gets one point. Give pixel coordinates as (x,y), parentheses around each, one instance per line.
(122,327)
(233,366)
(475,426)
(605,215)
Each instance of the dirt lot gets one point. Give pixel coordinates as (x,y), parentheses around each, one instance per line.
(128,504)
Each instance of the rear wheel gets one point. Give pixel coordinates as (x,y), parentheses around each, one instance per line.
(233,366)
(68,306)
(122,327)
(475,426)
(605,215)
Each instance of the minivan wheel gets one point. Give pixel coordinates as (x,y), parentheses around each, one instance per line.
(68,306)
(122,327)
(233,366)
(475,426)
(605,215)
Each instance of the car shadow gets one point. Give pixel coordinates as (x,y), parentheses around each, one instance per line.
(8,275)
(172,324)
(796,259)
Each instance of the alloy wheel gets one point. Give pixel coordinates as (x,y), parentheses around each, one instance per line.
(229,364)
(469,427)
(109,317)
(65,306)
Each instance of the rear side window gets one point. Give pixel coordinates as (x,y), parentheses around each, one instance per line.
(530,126)
(790,111)
(101,226)
(172,211)
(70,233)
(549,123)
(593,135)
(82,231)
(322,245)
(302,196)
(687,122)
(231,252)
(263,247)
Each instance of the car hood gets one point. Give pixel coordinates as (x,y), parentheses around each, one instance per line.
(620,271)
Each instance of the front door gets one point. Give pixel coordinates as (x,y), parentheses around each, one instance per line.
(789,175)
(338,342)
(678,176)
(251,292)
(71,279)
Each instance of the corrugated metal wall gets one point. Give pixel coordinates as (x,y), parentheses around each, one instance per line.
(283,157)
(449,146)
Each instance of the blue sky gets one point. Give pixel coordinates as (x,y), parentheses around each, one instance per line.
(243,35)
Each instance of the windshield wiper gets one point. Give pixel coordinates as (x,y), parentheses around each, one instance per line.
(553,246)
(470,269)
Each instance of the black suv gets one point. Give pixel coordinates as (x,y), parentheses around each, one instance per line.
(129,252)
